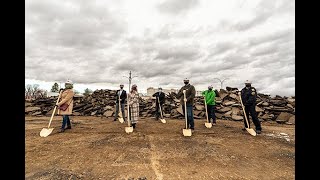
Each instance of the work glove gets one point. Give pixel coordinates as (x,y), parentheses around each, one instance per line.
(184,91)
(185,99)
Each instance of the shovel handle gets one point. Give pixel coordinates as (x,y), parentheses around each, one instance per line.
(54,110)
(160,108)
(120,110)
(128,109)
(185,110)
(205,104)
(244,112)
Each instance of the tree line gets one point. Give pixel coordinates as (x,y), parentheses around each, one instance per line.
(32,91)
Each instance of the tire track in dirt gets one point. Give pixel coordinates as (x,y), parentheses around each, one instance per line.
(154,159)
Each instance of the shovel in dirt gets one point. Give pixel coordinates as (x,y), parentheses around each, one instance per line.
(47,131)
(120,118)
(207,124)
(186,131)
(250,130)
(161,119)
(128,129)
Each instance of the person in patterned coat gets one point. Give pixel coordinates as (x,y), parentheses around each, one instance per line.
(134,105)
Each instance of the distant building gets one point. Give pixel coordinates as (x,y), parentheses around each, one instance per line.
(55,94)
(52,94)
(151,91)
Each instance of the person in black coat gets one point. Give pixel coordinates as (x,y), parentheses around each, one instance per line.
(123,96)
(249,97)
(161,96)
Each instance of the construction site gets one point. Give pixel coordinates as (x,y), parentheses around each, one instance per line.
(96,147)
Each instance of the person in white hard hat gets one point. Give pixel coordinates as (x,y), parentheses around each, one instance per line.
(210,98)
(122,95)
(249,97)
(65,105)
(190,94)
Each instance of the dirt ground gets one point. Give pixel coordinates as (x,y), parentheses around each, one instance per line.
(99,148)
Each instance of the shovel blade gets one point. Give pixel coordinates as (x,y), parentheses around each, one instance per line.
(186,132)
(208,125)
(129,129)
(46,132)
(251,131)
(163,120)
(120,119)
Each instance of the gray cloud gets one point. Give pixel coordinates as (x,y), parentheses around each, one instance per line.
(245,25)
(93,43)
(177,6)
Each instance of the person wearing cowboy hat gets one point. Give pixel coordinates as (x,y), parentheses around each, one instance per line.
(122,95)
(210,98)
(190,92)
(66,98)
(249,97)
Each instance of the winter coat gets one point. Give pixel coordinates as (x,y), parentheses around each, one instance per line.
(190,94)
(134,106)
(210,97)
(66,97)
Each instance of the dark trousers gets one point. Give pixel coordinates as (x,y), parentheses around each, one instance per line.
(158,110)
(190,121)
(117,111)
(211,115)
(65,120)
(252,110)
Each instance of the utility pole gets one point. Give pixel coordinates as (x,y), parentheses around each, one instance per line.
(221,82)
(130,78)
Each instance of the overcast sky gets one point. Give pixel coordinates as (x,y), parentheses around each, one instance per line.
(96,43)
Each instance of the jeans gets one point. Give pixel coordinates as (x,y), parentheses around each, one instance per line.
(158,110)
(252,110)
(117,111)
(211,114)
(190,121)
(65,120)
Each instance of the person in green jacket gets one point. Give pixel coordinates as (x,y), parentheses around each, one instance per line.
(210,97)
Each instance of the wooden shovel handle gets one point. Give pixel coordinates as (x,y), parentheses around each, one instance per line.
(244,112)
(185,110)
(205,104)
(160,108)
(54,110)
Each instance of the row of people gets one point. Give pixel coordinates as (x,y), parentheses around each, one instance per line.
(248,95)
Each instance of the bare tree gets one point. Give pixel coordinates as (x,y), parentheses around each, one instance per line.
(34,92)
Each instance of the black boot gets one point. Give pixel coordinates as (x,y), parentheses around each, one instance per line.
(68,127)
(61,130)
(134,125)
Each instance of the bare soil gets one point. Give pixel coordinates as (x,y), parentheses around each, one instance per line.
(99,148)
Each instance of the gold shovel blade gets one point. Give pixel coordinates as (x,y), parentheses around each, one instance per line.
(208,125)
(163,120)
(46,132)
(129,129)
(187,132)
(251,131)
(120,119)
